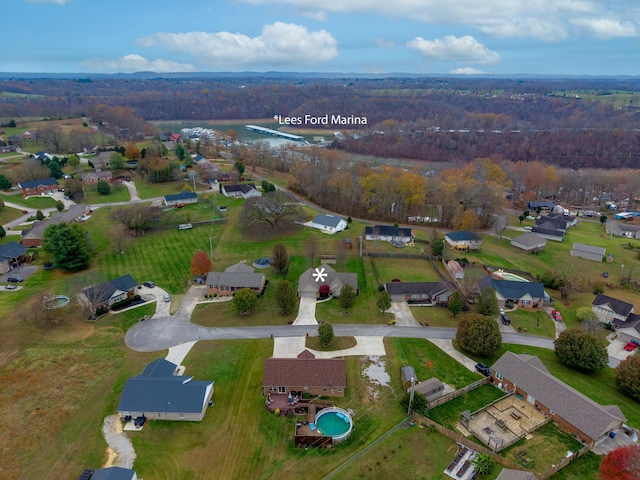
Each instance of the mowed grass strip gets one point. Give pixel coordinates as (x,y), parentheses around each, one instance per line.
(119,193)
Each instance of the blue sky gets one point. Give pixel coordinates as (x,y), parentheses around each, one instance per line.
(573,37)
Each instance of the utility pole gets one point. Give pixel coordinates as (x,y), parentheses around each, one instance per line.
(360,246)
(410,398)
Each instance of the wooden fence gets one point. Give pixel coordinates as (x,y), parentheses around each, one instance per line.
(458,393)
(565,461)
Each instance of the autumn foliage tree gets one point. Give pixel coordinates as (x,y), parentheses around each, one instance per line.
(200,264)
(132,152)
(622,463)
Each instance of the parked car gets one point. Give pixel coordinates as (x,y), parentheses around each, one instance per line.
(504,318)
(11,286)
(14,279)
(631,346)
(483,369)
(604,274)
(149,284)
(557,316)
(528,228)
(167,298)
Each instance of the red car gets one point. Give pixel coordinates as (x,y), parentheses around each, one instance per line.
(557,316)
(630,346)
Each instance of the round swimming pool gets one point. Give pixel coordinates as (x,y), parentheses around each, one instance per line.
(58,302)
(509,276)
(334,422)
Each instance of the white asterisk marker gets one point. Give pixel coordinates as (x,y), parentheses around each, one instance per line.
(320,275)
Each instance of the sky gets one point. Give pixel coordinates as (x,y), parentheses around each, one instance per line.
(430,37)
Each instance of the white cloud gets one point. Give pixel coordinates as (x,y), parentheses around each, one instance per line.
(454,49)
(136,63)
(381,42)
(547,20)
(278,44)
(605,27)
(466,71)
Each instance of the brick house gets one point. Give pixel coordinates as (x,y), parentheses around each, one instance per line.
(94,177)
(422,293)
(234,278)
(38,187)
(527,376)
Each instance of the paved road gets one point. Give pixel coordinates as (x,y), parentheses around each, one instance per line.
(162,333)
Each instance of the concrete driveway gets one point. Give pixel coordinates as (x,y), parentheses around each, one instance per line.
(133,192)
(616,350)
(403,314)
(306,312)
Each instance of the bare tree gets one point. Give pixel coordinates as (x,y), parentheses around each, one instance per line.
(341,252)
(275,210)
(311,248)
(91,289)
(501,225)
(138,219)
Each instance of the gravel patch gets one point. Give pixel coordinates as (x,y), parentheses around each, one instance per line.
(377,374)
(118,442)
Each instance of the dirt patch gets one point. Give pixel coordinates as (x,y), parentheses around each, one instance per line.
(375,370)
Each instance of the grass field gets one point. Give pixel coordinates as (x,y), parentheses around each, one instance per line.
(153,190)
(7,214)
(31,202)
(435,316)
(118,193)
(449,413)
(406,270)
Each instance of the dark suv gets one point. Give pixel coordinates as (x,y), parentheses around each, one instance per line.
(14,279)
(483,369)
(505,319)
(149,284)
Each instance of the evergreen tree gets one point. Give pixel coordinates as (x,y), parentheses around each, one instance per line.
(244,301)
(5,183)
(280,257)
(325,333)
(103,187)
(384,302)
(59,205)
(487,303)
(347,297)
(286,297)
(479,334)
(68,245)
(579,349)
(455,303)
(3,233)
(39,215)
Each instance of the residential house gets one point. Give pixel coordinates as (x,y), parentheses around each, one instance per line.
(40,186)
(33,237)
(101,161)
(8,148)
(112,473)
(183,197)
(580,250)
(548,230)
(234,278)
(107,294)
(388,233)
(328,223)
(94,177)
(312,279)
(611,310)
(568,220)
(527,376)
(622,229)
(305,374)
(544,206)
(455,269)
(421,293)
(524,294)
(11,254)
(529,242)
(158,394)
(463,240)
(244,190)
(175,137)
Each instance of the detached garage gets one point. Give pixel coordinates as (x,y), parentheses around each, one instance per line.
(589,252)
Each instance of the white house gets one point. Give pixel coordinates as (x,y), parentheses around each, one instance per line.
(245,190)
(329,223)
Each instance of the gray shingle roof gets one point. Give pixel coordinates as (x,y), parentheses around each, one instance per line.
(327,220)
(113,473)
(528,374)
(335,280)
(304,372)
(428,288)
(235,279)
(620,307)
(155,390)
(510,474)
(528,239)
(581,247)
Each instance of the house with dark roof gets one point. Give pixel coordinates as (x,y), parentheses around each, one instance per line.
(111,473)
(312,279)
(243,190)
(101,161)
(431,389)
(529,242)
(41,186)
(305,374)
(421,293)
(234,278)
(527,376)
(524,294)
(11,254)
(580,250)
(158,394)
(544,206)
(108,293)
(33,237)
(388,233)
(328,223)
(408,376)
(463,240)
(610,310)
(183,197)
(568,220)
(549,231)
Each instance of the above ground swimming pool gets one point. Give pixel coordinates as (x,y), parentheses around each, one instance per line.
(334,422)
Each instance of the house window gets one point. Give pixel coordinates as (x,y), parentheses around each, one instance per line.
(182,415)
(339,389)
(282,389)
(552,412)
(415,295)
(526,302)
(273,388)
(499,376)
(324,389)
(306,388)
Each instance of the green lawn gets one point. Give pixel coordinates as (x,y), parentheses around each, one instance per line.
(153,190)
(406,270)
(435,316)
(31,202)
(449,413)
(8,214)
(533,322)
(118,193)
